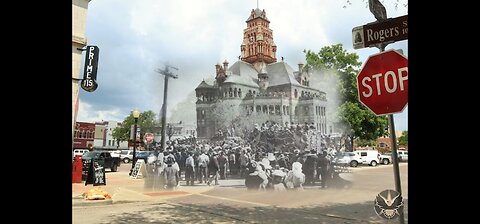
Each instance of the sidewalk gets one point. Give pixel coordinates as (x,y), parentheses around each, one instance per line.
(124,189)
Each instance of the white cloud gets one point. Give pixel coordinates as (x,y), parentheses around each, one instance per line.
(136,37)
(87,113)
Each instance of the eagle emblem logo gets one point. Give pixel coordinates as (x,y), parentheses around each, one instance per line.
(388,204)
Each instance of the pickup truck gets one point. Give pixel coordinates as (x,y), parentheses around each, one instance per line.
(385,158)
(104,158)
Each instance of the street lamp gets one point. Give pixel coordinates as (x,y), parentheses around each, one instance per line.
(136,114)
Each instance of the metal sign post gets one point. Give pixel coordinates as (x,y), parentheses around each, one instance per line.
(379,34)
(396,169)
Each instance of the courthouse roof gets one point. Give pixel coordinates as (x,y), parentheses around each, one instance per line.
(280,73)
(204,85)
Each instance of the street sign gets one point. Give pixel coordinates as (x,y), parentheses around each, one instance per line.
(148,137)
(137,133)
(383,83)
(384,32)
(90,70)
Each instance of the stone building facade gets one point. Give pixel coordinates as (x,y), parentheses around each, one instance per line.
(258,88)
(79,41)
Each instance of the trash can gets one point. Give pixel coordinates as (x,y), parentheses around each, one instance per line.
(77,170)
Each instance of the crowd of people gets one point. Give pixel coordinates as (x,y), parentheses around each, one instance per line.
(269,157)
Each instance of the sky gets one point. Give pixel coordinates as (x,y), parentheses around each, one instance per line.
(136,38)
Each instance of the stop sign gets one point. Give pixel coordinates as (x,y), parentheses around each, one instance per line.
(383,83)
(148,137)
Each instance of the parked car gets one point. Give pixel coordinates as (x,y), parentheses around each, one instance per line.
(126,155)
(104,159)
(79,152)
(115,153)
(385,158)
(402,155)
(369,157)
(347,158)
(142,155)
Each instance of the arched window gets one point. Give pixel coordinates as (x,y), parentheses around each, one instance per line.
(235,92)
(84,134)
(295,94)
(259,108)
(230,94)
(239,92)
(264,109)
(254,93)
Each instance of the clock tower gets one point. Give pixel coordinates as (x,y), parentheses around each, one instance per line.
(258,47)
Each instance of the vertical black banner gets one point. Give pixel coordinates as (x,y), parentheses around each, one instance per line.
(90,70)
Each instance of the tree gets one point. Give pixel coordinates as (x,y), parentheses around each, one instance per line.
(146,122)
(403,140)
(355,119)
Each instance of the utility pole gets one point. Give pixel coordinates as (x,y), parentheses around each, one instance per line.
(168,74)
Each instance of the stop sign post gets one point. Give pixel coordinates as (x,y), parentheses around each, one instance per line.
(383,88)
(383,83)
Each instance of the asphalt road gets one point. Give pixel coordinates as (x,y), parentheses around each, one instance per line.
(347,200)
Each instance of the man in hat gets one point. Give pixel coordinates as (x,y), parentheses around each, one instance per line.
(213,168)
(223,164)
(310,167)
(203,161)
(323,165)
(171,175)
(189,169)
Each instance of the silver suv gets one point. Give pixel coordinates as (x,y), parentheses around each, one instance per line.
(126,155)
(347,158)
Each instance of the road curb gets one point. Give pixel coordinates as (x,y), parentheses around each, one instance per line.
(82,202)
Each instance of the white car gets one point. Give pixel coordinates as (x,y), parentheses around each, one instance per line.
(402,155)
(115,153)
(385,158)
(350,158)
(369,157)
(126,155)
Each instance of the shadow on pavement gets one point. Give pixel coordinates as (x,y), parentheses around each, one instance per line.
(223,213)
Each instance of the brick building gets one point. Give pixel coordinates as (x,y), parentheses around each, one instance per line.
(84,135)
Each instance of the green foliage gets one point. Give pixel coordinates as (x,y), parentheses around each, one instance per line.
(403,140)
(360,122)
(363,143)
(146,122)
(355,118)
